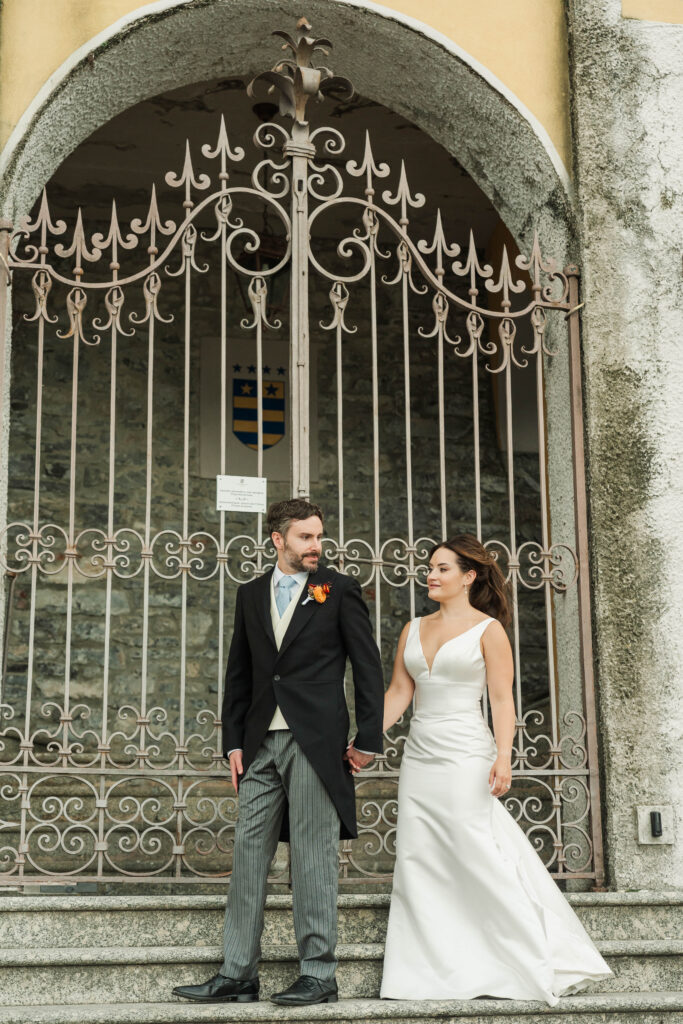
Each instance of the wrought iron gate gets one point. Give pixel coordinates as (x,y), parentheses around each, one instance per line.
(123,778)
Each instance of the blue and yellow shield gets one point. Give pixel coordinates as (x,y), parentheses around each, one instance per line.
(244,412)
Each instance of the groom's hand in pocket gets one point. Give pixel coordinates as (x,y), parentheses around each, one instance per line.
(357,760)
(236,768)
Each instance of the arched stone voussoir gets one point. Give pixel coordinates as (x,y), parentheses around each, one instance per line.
(392,59)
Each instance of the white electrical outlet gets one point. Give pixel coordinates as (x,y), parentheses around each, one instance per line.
(645,836)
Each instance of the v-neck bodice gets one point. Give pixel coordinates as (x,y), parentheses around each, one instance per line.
(457,676)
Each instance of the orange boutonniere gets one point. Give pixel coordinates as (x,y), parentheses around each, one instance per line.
(318,592)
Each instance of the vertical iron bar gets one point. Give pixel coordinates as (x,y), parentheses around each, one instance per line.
(514,569)
(260,313)
(475,430)
(223,442)
(184,565)
(109,570)
(71,549)
(548,597)
(581,521)
(442,432)
(301,151)
(147,550)
(409,439)
(340,444)
(148,518)
(473,294)
(375,445)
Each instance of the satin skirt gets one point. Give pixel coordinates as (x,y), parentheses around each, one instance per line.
(473,912)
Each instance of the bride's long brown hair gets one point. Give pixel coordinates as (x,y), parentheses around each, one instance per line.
(489,591)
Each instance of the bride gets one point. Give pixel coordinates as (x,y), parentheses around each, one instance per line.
(473,911)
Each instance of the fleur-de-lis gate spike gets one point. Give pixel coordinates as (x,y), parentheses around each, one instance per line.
(297,80)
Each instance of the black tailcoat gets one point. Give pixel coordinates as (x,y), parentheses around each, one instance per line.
(306,679)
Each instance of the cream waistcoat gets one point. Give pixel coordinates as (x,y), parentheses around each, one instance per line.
(279,629)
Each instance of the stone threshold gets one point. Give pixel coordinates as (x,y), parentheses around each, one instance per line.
(86,902)
(81,956)
(631,1006)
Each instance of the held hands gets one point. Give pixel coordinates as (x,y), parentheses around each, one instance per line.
(500,776)
(236,768)
(357,760)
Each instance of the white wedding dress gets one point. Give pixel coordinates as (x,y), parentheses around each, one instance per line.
(473,911)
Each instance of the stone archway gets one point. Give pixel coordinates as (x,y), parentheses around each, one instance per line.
(489,136)
(394,60)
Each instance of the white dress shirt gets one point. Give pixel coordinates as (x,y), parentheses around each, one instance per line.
(300,577)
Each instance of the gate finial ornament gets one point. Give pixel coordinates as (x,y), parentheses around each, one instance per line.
(296,79)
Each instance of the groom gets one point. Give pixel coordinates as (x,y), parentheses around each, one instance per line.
(285,727)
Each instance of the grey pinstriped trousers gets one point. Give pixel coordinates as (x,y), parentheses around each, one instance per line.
(281,769)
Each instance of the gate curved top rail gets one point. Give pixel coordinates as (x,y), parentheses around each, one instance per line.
(34,244)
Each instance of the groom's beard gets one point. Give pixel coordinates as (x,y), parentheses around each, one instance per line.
(301,563)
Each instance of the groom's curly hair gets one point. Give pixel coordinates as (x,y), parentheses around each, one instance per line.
(281,514)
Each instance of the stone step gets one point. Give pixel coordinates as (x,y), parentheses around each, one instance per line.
(47,975)
(186,920)
(612,1008)
(630,915)
(82,921)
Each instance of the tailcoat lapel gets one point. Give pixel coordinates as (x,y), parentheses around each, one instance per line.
(263,604)
(304,610)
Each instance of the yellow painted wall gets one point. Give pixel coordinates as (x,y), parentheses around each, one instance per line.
(670,11)
(521,41)
(36,36)
(524,44)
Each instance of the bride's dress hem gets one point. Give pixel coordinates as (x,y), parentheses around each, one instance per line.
(550,999)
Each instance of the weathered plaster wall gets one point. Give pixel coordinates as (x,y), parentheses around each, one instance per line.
(523,44)
(628,123)
(670,11)
(36,37)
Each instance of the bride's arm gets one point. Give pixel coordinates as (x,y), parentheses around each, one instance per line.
(499,675)
(401,688)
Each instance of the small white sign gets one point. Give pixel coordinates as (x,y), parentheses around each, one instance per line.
(241,493)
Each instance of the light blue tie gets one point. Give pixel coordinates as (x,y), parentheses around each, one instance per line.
(285,590)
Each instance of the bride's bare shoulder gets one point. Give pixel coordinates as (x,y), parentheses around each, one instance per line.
(403,636)
(495,635)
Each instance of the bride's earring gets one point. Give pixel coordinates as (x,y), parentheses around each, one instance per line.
(465,588)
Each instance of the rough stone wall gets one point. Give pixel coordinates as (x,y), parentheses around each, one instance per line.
(627,84)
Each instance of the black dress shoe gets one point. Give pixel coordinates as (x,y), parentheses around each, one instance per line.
(220,989)
(307,990)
